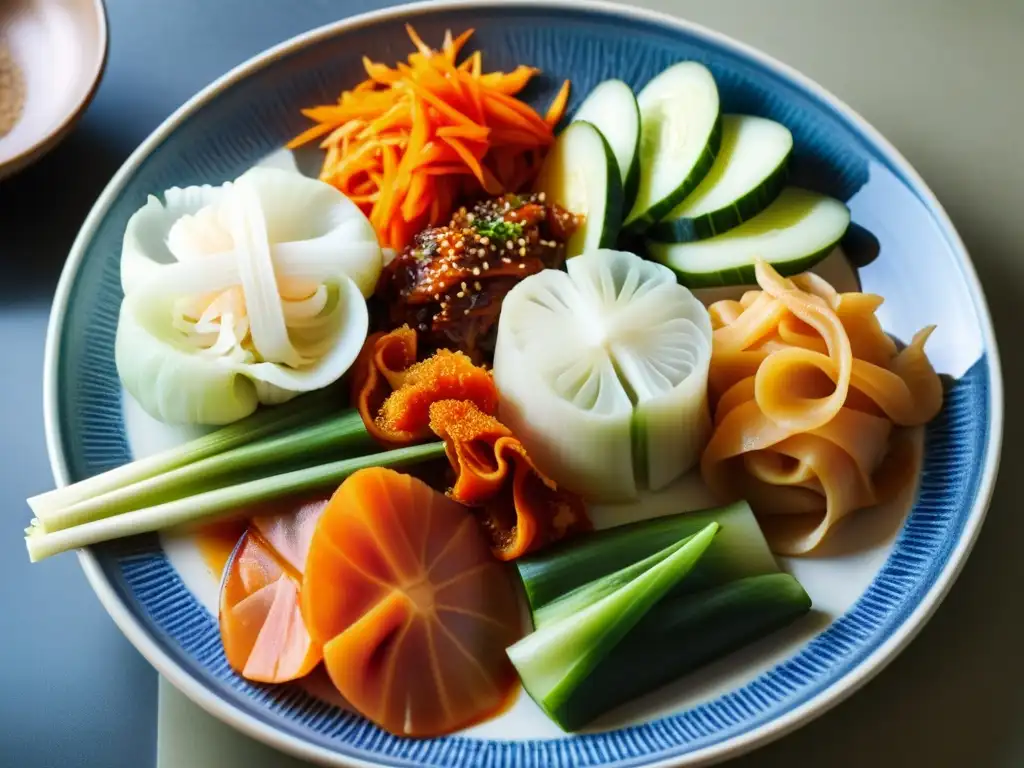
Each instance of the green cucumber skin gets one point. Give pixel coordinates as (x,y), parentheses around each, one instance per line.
(685,229)
(561,568)
(661,578)
(745,275)
(615,207)
(552,662)
(681,634)
(579,598)
(631,183)
(613,202)
(701,169)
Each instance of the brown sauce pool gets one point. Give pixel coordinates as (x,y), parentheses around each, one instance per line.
(217,541)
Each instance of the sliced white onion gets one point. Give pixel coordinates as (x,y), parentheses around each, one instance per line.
(176,383)
(267,326)
(602,373)
(205,334)
(326,225)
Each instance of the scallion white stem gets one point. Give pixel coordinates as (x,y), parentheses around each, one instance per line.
(263,423)
(333,438)
(218,504)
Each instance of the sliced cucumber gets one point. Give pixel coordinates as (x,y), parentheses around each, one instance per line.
(682,633)
(611,108)
(680,134)
(738,550)
(581,174)
(553,661)
(573,602)
(748,174)
(794,233)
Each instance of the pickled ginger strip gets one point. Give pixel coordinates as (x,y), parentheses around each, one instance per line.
(807,389)
(265,638)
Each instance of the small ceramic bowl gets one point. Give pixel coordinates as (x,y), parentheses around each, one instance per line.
(59,48)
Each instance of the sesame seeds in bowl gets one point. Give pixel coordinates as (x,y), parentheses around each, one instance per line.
(52,55)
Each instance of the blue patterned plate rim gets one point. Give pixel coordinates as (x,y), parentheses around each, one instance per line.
(733,743)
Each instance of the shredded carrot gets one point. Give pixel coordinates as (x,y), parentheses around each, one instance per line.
(511,83)
(557,108)
(428,132)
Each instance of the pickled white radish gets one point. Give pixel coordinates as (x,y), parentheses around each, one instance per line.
(602,373)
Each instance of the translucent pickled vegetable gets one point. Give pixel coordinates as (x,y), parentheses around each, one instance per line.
(602,373)
(265,638)
(243,294)
(413,612)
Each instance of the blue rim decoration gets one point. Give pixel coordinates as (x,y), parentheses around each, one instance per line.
(954,446)
(255,115)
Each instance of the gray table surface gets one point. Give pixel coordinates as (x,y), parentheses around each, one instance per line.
(940,78)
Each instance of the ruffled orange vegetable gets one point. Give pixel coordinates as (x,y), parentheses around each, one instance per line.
(419,116)
(377,372)
(520,507)
(402,401)
(413,613)
(393,392)
(261,626)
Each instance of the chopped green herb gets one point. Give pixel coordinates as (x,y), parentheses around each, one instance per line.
(498,229)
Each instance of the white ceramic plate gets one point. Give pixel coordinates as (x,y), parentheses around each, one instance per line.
(872,589)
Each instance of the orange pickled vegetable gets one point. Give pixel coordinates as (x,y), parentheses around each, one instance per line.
(442,376)
(402,401)
(261,626)
(520,507)
(428,113)
(413,613)
(378,371)
(393,392)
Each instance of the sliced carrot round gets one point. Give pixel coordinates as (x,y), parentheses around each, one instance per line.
(413,612)
(261,625)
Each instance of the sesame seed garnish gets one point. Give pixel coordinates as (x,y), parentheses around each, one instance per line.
(477,286)
(486,266)
(476,270)
(460,295)
(522,252)
(506,260)
(522,266)
(521,241)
